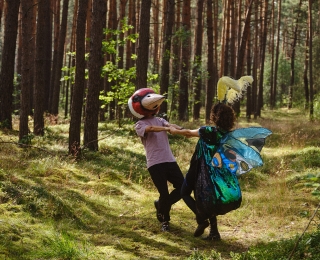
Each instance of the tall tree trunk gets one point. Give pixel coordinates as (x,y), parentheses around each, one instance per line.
(165,75)
(233,39)
(175,65)
(71,61)
(48,58)
(263,45)
(7,61)
(227,41)
(310,59)
(272,36)
(62,38)
(40,69)
(276,61)
(112,24)
(79,86)
(243,42)
(196,74)
(211,65)
(155,12)
(305,73)
(143,47)
(185,64)
(56,31)
(26,33)
(131,16)
(293,57)
(249,107)
(242,51)
(99,10)
(256,52)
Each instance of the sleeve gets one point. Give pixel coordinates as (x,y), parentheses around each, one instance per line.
(163,121)
(140,128)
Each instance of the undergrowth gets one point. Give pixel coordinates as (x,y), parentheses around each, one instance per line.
(53,206)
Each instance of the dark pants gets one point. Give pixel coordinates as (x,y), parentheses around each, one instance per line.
(191,203)
(161,174)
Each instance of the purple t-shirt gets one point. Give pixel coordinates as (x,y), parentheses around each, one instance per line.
(156,144)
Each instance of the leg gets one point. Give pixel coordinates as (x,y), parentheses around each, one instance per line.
(159,178)
(175,177)
(191,203)
(214,233)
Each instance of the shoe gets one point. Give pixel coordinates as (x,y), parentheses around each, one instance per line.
(200,229)
(215,237)
(165,227)
(159,216)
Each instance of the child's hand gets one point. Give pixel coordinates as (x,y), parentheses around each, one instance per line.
(173,130)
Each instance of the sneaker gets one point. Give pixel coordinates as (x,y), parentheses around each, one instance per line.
(165,227)
(159,216)
(200,229)
(215,237)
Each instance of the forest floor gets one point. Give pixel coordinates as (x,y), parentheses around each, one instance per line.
(53,206)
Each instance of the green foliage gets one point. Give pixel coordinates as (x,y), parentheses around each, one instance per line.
(197,255)
(63,246)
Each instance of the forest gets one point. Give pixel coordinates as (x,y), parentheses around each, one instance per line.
(70,162)
(81,60)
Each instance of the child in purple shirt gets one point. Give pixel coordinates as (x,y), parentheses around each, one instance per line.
(161,163)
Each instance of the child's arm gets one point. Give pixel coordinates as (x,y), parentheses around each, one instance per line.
(155,128)
(185,132)
(176,126)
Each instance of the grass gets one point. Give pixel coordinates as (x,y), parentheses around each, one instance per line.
(101,207)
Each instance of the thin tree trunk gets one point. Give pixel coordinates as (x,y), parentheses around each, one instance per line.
(56,11)
(293,57)
(62,37)
(276,61)
(263,45)
(211,65)
(185,64)
(164,75)
(305,73)
(196,74)
(310,59)
(156,37)
(272,35)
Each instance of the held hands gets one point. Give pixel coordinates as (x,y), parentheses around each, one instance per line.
(173,130)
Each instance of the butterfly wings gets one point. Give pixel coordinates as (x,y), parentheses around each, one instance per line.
(239,150)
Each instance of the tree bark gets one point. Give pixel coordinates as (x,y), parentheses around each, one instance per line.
(60,53)
(197,71)
(293,57)
(26,34)
(143,45)
(79,86)
(185,64)
(95,60)
(7,61)
(211,65)
(276,60)
(165,74)
(310,60)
